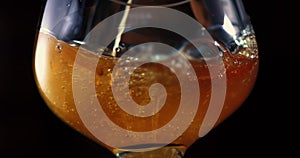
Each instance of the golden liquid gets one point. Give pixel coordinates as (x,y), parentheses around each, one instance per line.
(54,61)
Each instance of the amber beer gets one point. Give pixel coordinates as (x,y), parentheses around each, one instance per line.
(54,62)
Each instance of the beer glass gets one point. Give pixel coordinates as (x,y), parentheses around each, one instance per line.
(145,78)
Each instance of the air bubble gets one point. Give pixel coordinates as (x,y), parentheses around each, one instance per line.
(252,56)
(125,68)
(118,50)
(58,48)
(220,75)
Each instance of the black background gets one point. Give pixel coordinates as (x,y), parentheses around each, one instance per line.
(264,126)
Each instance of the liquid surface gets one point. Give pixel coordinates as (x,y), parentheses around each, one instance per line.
(54,63)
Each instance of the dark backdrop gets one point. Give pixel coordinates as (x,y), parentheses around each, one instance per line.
(263,126)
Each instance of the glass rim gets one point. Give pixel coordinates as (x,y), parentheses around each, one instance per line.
(161,5)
